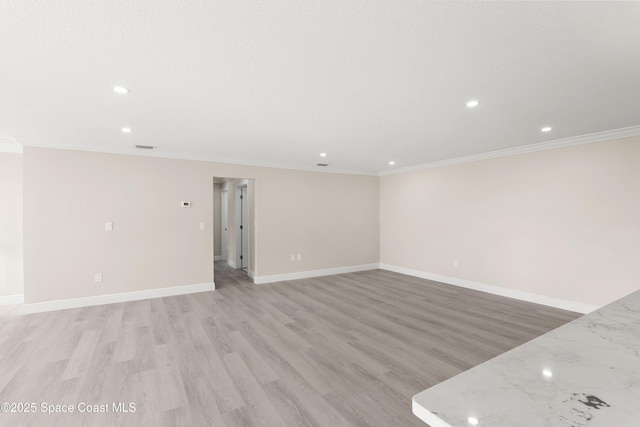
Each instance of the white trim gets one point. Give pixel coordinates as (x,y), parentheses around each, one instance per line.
(204,158)
(577,307)
(217,257)
(8,144)
(251,273)
(231,263)
(12,299)
(259,280)
(40,307)
(530,148)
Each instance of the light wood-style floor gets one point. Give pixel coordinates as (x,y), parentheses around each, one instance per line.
(347,350)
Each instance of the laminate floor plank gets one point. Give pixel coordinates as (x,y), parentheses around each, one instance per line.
(344,350)
(252,391)
(256,364)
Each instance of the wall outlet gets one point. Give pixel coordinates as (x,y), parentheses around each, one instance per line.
(202,226)
(455,263)
(299,257)
(98,277)
(108,226)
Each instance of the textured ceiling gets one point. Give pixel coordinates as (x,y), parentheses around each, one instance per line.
(278,82)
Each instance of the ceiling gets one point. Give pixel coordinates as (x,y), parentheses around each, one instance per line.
(279,82)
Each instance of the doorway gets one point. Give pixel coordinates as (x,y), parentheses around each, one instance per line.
(235,224)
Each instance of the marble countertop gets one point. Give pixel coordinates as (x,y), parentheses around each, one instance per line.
(585,373)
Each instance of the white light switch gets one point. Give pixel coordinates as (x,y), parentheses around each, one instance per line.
(98,277)
(108,226)
(202,226)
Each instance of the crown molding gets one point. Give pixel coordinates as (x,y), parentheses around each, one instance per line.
(524,149)
(205,158)
(8,144)
(15,147)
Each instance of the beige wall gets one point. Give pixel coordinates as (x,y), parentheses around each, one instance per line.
(563,223)
(155,243)
(11,279)
(68,196)
(323,216)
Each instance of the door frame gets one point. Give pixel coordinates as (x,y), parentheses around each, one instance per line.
(242,226)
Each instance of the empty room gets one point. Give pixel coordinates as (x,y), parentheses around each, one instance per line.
(319,213)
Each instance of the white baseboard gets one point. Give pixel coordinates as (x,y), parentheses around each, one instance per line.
(577,307)
(12,299)
(231,263)
(259,280)
(251,273)
(40,307)
(217,257)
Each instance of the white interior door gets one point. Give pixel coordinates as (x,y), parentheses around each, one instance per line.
(224,228)
(245,227)
(242,226)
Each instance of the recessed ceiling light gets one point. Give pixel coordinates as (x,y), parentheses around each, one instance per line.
(472,103)
(323,154)
(126,130)
(392,163)
(546,129)
(547,373)
(120,89)
(473,421)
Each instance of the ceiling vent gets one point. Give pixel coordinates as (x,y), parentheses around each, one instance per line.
(145,147)
(322,164)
